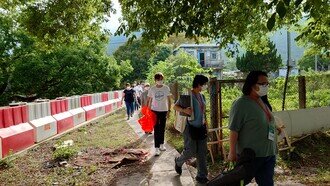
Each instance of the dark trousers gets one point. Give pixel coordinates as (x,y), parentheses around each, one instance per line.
(129,108)
(159,130)
(264,170)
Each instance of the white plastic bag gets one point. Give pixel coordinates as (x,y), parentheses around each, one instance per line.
(180,122)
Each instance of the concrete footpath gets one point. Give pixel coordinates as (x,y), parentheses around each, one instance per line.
(162,170)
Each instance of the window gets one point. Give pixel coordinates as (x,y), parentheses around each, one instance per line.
(191,53)
(213,55)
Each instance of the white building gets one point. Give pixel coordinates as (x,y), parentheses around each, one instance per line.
(208,56)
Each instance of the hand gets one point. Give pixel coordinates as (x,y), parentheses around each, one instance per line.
(187,111)
(232,157)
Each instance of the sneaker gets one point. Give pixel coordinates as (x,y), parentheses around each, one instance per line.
(162,147)
(177,168)
(157,152)
(201,180)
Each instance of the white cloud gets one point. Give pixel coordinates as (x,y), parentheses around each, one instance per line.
(113,22)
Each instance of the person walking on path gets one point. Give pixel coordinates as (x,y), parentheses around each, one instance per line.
(144,95)
(138,90)
(159,101)
(195,133)
(252,125)
(129,97)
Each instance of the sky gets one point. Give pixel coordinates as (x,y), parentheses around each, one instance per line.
(113,24)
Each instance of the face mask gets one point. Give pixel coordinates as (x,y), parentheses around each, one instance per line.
(263,90)
(204,87)
(146,88)
(159,82)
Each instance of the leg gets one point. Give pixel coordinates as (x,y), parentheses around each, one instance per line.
(201,158)
(157,130)
(265,174)
(162,123)
(189,151)
(131,108)
(128,108)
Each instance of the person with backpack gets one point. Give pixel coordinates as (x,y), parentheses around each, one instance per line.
(129,98)
(195,133)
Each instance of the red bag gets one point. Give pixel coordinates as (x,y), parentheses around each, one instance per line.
(148,120)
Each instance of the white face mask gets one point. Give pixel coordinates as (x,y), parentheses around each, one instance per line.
(204,87)
(159,82)
(263,90)
(146,88)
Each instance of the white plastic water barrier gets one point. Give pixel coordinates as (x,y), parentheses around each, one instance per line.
(100,109)
(74,102)
(305,121)
(111,95)
(78,116)
(38,110)
(44,128)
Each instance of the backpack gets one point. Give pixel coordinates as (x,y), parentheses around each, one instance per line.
(241,174)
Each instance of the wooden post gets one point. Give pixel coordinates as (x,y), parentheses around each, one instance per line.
(220,120)
(302,92)
(175,91)
(214,105)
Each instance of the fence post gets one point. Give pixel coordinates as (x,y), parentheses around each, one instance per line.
(174,87)
(302,92)
(214,98)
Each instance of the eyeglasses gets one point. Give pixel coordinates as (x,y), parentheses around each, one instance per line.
(265,84)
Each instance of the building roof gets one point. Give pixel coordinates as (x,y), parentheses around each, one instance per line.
(198,45)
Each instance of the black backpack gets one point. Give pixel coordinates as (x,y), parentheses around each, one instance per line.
(242,172)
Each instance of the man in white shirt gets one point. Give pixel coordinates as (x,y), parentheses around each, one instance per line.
(160,98)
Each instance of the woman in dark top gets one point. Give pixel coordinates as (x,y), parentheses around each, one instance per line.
(129,97)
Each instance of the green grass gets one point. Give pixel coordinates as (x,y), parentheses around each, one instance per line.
(29,168)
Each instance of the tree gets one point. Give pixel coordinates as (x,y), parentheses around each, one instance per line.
(65,71)
(180,68)
(177,39)
(138,54)
(269,62)
(162,52)
(61,21)
(227,21)
(308,62)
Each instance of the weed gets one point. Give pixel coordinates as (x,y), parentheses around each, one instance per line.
(64,153)
(7,162)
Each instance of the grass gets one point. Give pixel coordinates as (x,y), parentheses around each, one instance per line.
(32,168)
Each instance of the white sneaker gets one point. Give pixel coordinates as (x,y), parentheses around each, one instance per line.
(162,147)
(157,152)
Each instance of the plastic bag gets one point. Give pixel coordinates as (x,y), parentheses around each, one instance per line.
(148,119)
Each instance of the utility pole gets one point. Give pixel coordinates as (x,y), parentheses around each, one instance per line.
(287,67)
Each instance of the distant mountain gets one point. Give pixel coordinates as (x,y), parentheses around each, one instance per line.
(279,38)
(115,42)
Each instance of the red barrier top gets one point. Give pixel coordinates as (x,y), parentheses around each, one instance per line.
(2,123)
(53,107)
(25,114)
(8,117)
(17,115)
(116,94)
(59,106)
(105,96)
